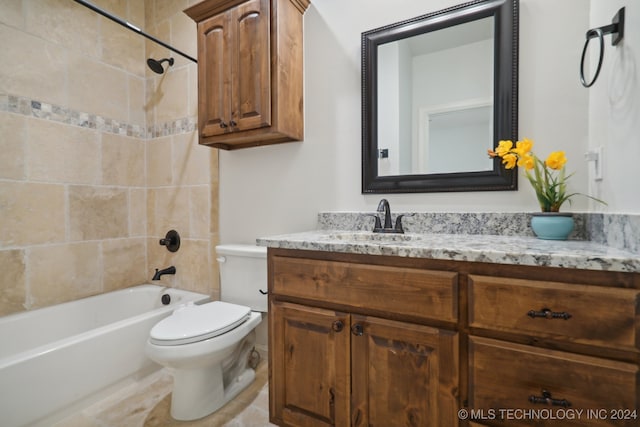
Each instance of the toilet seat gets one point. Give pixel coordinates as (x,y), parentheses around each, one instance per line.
(198,322)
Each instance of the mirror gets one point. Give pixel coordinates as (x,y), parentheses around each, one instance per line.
(437,92)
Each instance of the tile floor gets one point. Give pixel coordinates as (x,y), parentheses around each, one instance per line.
(147,403)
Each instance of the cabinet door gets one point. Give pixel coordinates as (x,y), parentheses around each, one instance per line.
(214,75)
(309,359)
(250,68)
(403,374)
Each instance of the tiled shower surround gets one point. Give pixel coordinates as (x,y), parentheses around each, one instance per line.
(99,154)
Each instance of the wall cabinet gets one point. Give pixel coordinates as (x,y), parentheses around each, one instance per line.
(250,71)
(359,340)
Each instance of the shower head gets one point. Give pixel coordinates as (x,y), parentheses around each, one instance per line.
(156,66)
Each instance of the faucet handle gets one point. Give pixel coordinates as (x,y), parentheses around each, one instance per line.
(378,224)
(398,226)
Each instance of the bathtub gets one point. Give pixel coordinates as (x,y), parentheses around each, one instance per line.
(56,360)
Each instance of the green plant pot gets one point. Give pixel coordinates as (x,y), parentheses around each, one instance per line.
(552,225)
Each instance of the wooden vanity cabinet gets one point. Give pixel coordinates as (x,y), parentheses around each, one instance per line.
(335,362)
(250,71)
(359,340)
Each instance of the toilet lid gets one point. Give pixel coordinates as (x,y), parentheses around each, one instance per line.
(198,322)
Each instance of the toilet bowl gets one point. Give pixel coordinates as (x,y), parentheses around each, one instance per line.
(207,347)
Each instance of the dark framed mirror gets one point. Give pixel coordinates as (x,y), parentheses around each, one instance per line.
(439,90)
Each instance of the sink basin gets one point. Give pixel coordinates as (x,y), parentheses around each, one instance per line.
(367,236)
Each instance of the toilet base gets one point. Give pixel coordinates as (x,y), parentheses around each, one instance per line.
(201,391)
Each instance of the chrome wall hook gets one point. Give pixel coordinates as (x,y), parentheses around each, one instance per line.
(616,29)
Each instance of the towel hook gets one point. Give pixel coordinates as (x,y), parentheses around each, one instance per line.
(616,28)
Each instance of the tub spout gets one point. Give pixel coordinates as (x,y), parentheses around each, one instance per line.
(159,273)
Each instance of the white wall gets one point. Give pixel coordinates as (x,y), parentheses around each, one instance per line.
(280,189)
(614,109)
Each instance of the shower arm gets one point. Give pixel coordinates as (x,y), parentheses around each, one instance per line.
(132,27)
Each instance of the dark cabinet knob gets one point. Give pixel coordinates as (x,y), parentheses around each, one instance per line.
(337,326)
(233,124)
(357,329)
(223,125)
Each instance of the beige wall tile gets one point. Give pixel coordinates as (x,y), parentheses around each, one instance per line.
(66,23)
(122,48)
(98,88)
(11,13)
(214,222)
(162,31)
(172,104)
(193,269)
(12,142)
(199,211)
(190,160)
(165,9)
(124,263)
(60,273)
(12,285)
(98,213)
(21,73)
(31,213)
(170,211)
(183,37)
(136,13)
(192,107)
(116,7)
(137,212)
(158,257)
(62,153)
(123,160)
(159,162)
(137,113)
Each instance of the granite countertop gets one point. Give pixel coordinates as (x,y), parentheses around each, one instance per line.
(499,249)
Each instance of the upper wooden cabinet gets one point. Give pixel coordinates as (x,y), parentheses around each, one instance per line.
(250,72)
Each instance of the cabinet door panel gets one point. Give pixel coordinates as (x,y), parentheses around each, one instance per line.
(309,365)
(214,72)
(403,374)
(251,76)
(504,376)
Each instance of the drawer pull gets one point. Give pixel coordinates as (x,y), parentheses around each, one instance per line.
(548,314)
(546,399)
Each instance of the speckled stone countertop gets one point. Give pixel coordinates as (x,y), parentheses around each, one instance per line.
(499,249)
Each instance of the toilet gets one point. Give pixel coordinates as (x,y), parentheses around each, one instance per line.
(207,347)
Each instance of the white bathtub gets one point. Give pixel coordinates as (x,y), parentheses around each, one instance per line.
(55,360)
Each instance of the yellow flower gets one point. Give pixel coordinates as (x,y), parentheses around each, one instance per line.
(523,147)
(504,147)
(549,184)
(509,160)
(527,161)
(556,160)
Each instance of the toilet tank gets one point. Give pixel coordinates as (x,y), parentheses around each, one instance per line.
(243,274)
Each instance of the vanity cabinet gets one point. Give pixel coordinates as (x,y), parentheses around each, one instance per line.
(349,346)
(589,362)
(250,71)
(359,340)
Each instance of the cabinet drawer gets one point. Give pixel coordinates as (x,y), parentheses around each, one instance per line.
(504,376)
(419,293)
(599,316)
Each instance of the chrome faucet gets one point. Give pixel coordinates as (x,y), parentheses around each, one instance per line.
(383,207)
(160,273)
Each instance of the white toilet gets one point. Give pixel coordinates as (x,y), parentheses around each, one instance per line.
(207,346)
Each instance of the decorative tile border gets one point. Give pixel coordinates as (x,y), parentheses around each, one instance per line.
(56,113)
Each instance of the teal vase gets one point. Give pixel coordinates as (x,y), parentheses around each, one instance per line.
(552,225)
